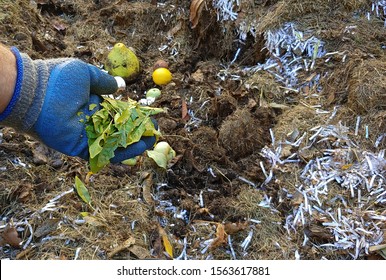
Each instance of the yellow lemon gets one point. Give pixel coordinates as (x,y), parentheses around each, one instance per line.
(161,76)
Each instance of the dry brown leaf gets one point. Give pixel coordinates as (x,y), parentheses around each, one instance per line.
(25,191)
(297,198)
(147,186)
(46,227)
(195,11)
(10,236)
(157,247)
(126,244)
(221,237)
(140,252)
(204,210)
(184,110)
(94,221)
(198,76)
(232,228)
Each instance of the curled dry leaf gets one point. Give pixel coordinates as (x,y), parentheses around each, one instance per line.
(147,186)
(9,236)
(221,237)
(184,110)
(195,11)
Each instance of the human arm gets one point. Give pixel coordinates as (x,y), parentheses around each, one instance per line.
(51,100)
(7,76)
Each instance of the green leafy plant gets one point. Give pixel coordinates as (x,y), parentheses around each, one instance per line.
(82,190)
(117,124)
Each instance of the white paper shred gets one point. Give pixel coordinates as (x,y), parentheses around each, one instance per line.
(342,175)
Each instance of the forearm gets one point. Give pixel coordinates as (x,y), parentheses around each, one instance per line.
(8,75)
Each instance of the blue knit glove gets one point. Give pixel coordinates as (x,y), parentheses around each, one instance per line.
(51,101)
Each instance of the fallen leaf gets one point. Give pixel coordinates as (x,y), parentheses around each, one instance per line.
(147,186)
(125,245)
(195,11)
(221,237)
(159,158)
(94,221)
(25,191)
(10,236)
(184,110)
(82,190)
(198,76)
(140,252)
(167,245)
(232,228)
(46,227)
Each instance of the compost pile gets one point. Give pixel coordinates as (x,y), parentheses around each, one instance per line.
(276,112)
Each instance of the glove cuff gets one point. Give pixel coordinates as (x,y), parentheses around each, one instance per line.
(27,100)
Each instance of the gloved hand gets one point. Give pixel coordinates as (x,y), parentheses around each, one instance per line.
(51,101)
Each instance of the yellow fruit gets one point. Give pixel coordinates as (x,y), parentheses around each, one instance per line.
(122,62)
(161,76)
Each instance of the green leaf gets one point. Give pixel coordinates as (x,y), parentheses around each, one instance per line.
(134,114)
(94,165)
(123,117)
(159,158)
(151,111)
(92,106)
(82,190)
(107,152)
(116,125)
(96,147)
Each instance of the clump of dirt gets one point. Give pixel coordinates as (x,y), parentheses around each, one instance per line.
(241,134)
(265,86)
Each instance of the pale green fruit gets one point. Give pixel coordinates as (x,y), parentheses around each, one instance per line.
(154,93)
